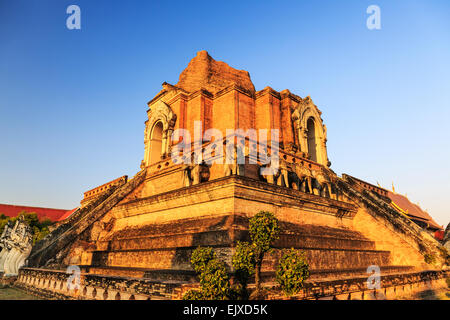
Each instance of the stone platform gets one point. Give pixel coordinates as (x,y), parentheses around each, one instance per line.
(151,238)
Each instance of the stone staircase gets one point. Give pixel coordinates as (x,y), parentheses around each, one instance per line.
(49,249)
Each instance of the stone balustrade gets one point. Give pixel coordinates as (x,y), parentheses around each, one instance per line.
(395,286)
(53,284)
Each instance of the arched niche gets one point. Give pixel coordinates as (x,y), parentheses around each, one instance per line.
(156,143)
(310,131)
(158,132)
(311,139)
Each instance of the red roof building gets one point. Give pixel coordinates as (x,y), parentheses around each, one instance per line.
(404,206)
(413,211)
(42,213)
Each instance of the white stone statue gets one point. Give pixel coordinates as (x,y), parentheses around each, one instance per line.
(15,243)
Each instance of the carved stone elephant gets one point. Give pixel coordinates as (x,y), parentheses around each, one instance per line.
(323,184)
(304,178)
(234,161)
(283,174)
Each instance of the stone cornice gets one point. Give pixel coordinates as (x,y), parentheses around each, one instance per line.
(296,197)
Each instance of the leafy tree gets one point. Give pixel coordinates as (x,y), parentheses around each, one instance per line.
(264,230)
(214,279)
(193,295)
(244,262)
(292,271)
(200,258)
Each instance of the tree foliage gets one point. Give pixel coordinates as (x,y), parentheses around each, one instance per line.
(200,258)
(244,261)
(264,230)
(40,228)
(193,295)
(213,276)
(214,281)
(292,271)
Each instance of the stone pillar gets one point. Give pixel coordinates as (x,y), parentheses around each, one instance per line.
(100,294)
(113,295)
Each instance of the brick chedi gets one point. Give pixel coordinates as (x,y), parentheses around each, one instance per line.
(145,228)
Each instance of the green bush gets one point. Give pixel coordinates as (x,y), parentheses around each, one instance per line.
(292,271)
(213,276)
(243,262)
(193,295)
(264,230)
(214,281)
(200,258)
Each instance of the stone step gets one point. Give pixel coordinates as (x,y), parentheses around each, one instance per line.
(342,274)
(228,237)
(318,241)
(227,230)
(179,258)
(322,258)
(190,276)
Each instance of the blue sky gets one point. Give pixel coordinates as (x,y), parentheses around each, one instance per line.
(73,102)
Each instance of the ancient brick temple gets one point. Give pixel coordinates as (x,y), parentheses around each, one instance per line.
(142,230)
